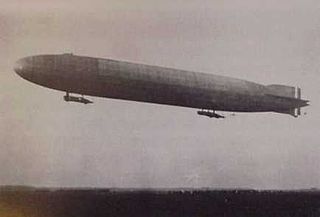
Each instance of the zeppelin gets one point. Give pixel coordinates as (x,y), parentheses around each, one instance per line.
(145,83)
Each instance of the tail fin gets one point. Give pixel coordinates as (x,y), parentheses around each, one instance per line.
(289,93)
(295,112)
(282,90)
(298,97)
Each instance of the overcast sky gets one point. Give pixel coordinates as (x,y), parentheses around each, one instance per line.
(45,141)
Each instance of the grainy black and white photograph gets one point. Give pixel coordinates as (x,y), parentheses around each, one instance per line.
(154,108)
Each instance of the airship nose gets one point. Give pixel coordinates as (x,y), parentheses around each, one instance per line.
(23,67)
(19,67)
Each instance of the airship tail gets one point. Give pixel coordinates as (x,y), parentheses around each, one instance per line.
(290,94)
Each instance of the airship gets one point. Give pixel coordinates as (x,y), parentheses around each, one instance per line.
(209,93)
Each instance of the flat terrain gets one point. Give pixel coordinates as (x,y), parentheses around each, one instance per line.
(45,202)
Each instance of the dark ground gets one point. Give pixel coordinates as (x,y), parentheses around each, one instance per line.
(34,202)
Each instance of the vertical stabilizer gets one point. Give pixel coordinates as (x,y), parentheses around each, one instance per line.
(298,97)
(298,92)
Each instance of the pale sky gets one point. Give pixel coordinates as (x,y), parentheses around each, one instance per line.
(45,141)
